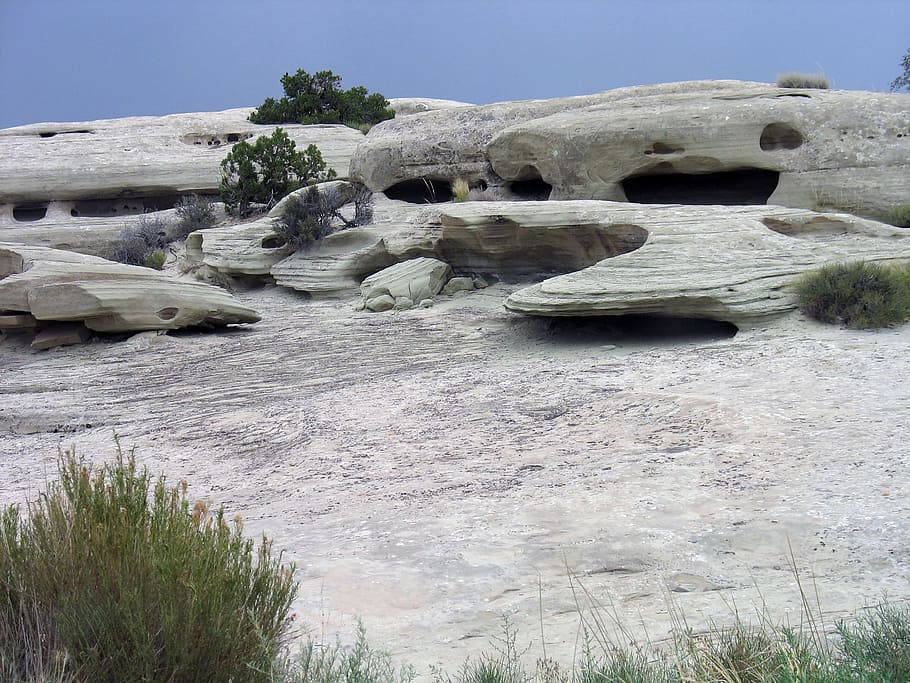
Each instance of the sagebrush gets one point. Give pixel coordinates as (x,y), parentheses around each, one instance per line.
(795,79)
(142,244)
(315,212)
(112,576)
(194,213)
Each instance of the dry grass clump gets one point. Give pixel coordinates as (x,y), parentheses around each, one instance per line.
(795,79)
(460,190)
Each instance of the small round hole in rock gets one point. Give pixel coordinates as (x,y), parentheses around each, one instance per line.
(780,136)
(168,313)
(273,242)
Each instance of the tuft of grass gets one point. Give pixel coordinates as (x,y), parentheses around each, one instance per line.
(155,259)
(859,295)
(900,215)
(460,190)
(878,644)
(111,576)
(795,79)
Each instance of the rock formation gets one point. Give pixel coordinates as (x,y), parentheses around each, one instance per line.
(703,142)
(75,185)
(59,286)
(405,284)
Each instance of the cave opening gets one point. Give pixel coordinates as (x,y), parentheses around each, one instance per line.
(731,188)
(421,191)
(131,206)
(630,330)
(29,213)
(780,136)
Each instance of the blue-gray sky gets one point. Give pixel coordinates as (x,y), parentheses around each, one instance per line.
(73,60)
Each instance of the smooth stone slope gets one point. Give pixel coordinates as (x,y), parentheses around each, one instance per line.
(54,285)
(702,142)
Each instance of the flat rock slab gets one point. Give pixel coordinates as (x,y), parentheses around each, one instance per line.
(60,334)
(53,285)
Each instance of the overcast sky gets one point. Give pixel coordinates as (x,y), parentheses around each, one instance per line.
(75,60)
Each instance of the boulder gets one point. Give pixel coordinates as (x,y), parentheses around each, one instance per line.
(458,284)
(60,334)
(53,285)
(701,142)
(414,280)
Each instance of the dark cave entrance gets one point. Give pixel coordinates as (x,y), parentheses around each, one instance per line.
(633,330)
(732,188)
(421,191)
(29,213)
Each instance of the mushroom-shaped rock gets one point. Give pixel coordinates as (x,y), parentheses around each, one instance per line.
(53,285)
(415,280)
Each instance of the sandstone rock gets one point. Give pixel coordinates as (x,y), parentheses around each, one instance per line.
(75,185)
(61,334)
(403,303)
(415,279)
(458,284)
(380,303)
(405,106)
(54,285)
(704,142)
(427,303)
(17,321)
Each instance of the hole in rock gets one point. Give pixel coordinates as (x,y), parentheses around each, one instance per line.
(780,136)
(630,330)
(214,139)
(513,252)
(273,242)
(744,186)
(818,227)
(795,94)
(535,189)
(131,206)
(664,148)
(52,133)
(27,213)
(421,191)
(168,313)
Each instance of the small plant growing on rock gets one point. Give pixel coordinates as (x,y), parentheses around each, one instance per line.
(318,98)
(314,214)
(137,243)
(460,190)
(194,213)
(155,259)
(795,79)
(900,215)
(858,295)
(267,170)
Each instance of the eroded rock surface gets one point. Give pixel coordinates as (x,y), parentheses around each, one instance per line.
(53,285)
(704,142)
(406,283)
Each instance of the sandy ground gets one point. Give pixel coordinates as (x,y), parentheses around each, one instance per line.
(434,470)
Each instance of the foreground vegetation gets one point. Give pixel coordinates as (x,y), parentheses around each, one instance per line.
(858,295)
(113,577)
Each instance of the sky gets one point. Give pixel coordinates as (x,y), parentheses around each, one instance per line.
(80,60)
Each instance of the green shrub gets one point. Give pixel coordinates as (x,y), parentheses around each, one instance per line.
(115,578)
(155,259)
(795,79)
(319,99)
(900,215)
(138,242)
(267,170)
(878,644)
(858,295)
(194,213)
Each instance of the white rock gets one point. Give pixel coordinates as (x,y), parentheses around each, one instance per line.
(458,284)
(416,279)
(382,302)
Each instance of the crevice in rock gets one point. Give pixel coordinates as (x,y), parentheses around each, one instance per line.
(273,242)
(731,188)
(52,133)
(629,330)
(530,185)
(780,136)
(664,148)
(29,213)
(124,206)
(421,191)
(168,313)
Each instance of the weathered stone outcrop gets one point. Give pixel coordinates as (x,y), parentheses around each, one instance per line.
(405,106)
(54,285)
(705,142)
(75,185)
(724,263)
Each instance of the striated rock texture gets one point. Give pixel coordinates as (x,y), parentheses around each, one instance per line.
(75,185)
(702,142)
(54,285)
(609,258)
(406,283)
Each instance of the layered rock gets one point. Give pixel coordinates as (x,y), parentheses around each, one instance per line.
(704,142)
(609,258)
(54,285)
(405,106)
(405,284)
(75,185)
